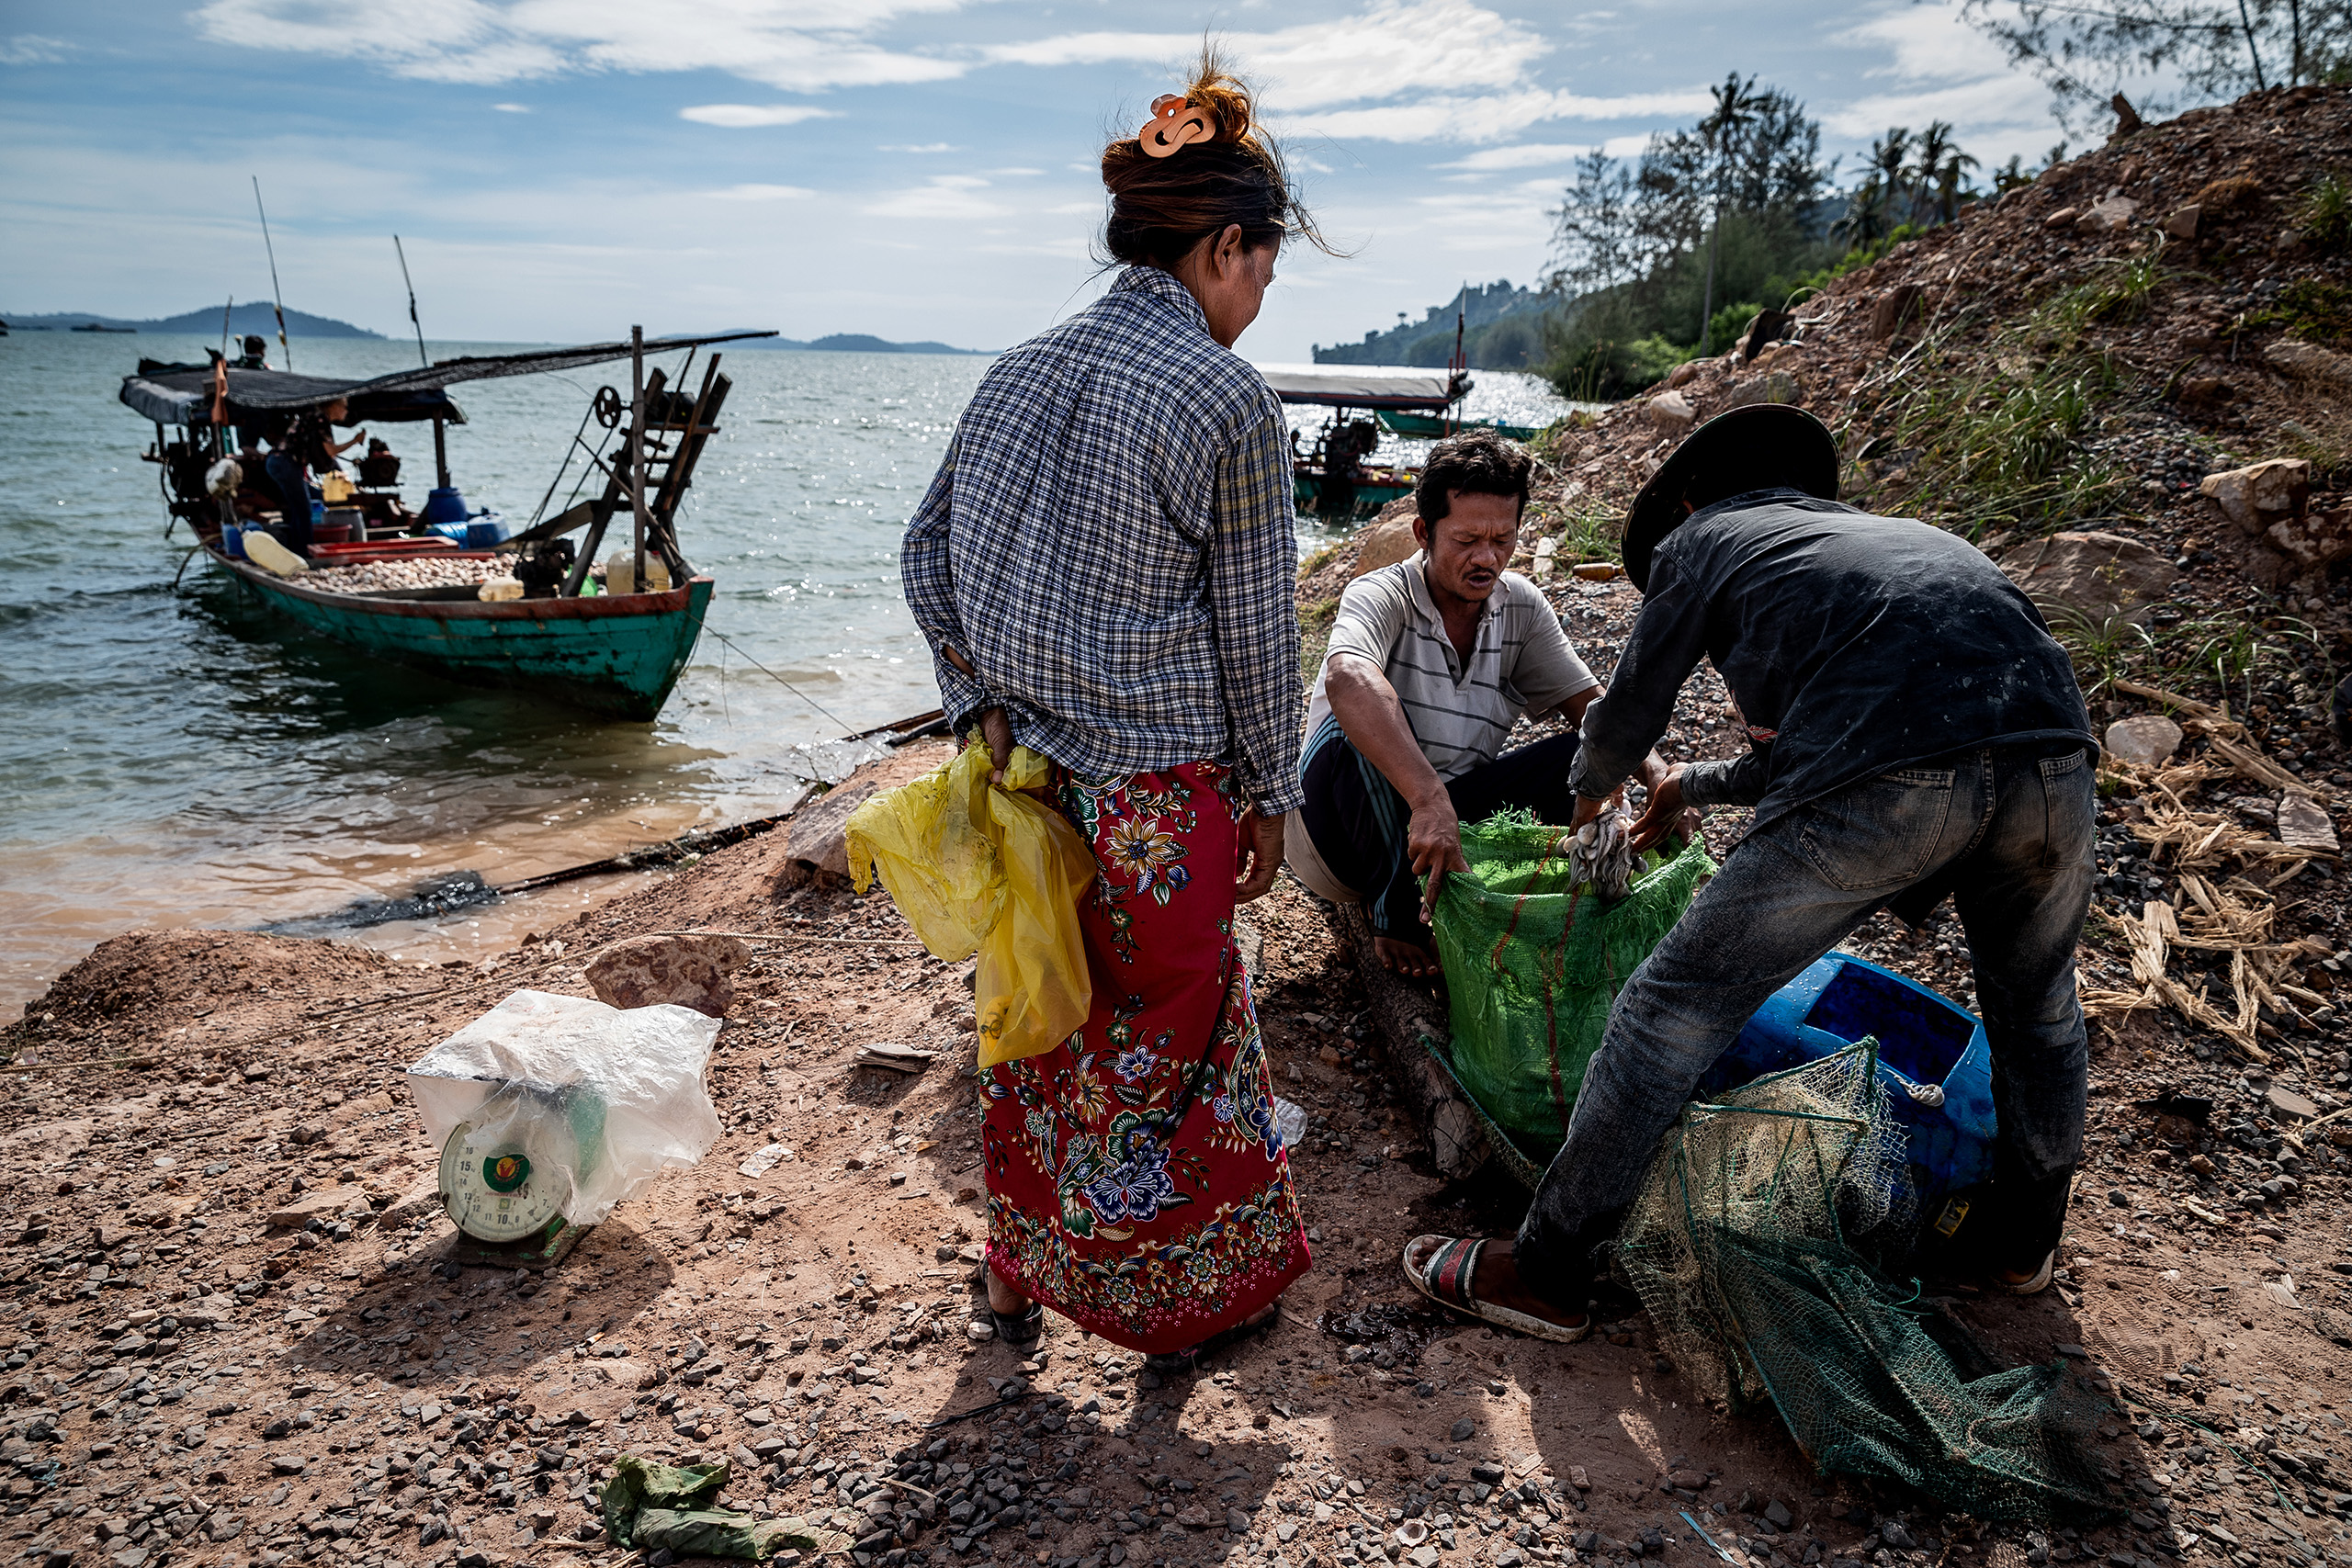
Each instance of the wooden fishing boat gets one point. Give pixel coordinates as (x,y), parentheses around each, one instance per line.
(1331,480)
(610,639)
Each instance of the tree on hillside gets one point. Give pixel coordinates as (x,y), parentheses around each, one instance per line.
(1722,130)
(2216,49)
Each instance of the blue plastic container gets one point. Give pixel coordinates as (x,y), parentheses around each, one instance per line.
(446,505)
(233,540)
(1923,1039)
(484,535)
(318,511)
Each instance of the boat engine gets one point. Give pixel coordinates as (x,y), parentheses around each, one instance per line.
(543,569)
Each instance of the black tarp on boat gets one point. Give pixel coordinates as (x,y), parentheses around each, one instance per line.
(181,394)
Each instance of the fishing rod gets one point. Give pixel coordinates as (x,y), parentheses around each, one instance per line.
(276,294)
(421,359)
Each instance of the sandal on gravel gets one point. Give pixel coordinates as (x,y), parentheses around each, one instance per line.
(1445,1279)
(1019,1330)
(2033,1286)
(1172,1363)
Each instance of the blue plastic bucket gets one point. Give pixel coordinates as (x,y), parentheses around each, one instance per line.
(1923,1040)
(232,541)
(445,505)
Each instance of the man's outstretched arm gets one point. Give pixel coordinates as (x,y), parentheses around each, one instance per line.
(1372,716)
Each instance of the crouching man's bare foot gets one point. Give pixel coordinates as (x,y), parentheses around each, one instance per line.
(1481,1277)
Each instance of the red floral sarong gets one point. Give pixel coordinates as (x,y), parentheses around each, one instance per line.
(1137,1182)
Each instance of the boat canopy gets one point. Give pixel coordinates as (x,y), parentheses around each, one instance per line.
(181,394)
(1332,386)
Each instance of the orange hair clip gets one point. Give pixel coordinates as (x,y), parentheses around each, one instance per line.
(1174,125)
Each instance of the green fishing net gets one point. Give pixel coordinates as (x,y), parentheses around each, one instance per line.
(1750,1246)
(1532,961)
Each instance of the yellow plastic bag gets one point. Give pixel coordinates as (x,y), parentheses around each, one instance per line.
(977,867)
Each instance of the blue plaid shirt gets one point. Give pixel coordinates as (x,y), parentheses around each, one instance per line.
(1108,542)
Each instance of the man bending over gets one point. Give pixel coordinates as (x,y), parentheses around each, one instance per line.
(1914,732)
(1431,662)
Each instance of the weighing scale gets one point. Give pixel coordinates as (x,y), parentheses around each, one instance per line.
(508,1174)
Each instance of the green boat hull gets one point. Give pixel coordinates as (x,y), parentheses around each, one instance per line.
(1428,425)
(615,656)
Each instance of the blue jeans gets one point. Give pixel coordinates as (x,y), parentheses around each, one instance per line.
(2008,831)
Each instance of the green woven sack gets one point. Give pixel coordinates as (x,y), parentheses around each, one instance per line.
(1532,963)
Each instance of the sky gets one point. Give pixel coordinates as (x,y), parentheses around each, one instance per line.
(916,169)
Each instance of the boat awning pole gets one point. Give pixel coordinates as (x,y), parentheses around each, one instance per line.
(440,453)
(637,449)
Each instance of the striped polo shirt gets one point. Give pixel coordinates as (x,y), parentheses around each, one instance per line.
(1461,710)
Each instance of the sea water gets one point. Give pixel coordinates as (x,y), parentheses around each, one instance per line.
(173,757)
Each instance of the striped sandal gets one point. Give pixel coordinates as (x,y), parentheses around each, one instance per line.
(1444,1276)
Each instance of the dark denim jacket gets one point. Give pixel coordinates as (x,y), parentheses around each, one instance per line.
(1853,644)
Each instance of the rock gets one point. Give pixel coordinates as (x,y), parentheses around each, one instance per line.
(1898,308)
(1894,1535)
(1767,326)
(689,971)
(2314,541)
(323,1203)
(1683,374)
(1237,1521)
(626,1373)
(1390,539)
(760,1161)
(1465,1429)
(815,841)
(2259,494)
(980,1331)
(2109,213)
(1771,386)
(1778,1512)
(2144,740)
(2286,1102)
(423,1197)
(2303,825)
(1672,413)
(1197,1519)
(2064,218)
(2299,358)
(2101,575)
(2182,222)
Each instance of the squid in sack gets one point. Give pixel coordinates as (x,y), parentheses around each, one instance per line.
(986,868)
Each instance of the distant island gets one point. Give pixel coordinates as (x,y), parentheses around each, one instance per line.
(854,343)
(1504,332)
(253,316)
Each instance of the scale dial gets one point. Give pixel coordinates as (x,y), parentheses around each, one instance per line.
(501,1187)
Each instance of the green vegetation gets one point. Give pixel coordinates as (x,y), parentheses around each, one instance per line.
(2326,218)
(1314,636)
(2311,309)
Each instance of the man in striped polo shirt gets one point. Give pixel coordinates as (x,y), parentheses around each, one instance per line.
(1431,662)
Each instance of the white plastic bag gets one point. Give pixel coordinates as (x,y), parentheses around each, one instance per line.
(613,1096)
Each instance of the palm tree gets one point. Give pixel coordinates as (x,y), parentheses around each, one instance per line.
(1736,104)
(1933,143)
(1887,155)
(1949,180)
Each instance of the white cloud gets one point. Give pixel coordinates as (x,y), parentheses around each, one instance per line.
(33,48)
(951,197)
(512,108)
(923,147)
(1488,118)
(1527,155)
(761,193)
(743,117)
(799,45)
(1390,47)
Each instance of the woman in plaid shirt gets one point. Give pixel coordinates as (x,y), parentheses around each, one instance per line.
(1103,567)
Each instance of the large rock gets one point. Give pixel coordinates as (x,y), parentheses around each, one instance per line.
(690,971)
(1390,539)
(2100,575)
(2314,541)
(2260,494)
(1672,413)
(2109,213)
(2305,824)
(2299,358)
(816,840)
(2144,740)
(1897,309)
(1771,386)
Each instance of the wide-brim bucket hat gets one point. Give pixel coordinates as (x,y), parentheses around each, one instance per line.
(1770,444)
